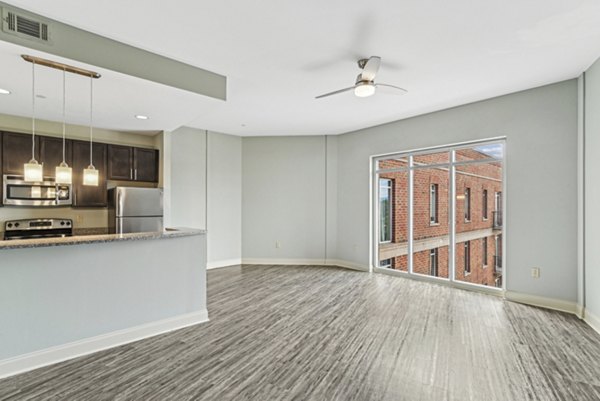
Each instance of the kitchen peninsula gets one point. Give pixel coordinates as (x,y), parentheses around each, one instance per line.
(66,297)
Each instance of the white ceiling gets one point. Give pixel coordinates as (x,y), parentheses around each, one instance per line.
(278,55)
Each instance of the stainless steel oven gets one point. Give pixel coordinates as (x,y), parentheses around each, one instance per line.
(37,228)
(18,192)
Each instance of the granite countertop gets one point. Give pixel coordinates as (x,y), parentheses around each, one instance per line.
(94,238)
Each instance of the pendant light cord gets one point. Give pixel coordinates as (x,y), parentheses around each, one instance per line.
(64,113)
(91,115)
(33,111)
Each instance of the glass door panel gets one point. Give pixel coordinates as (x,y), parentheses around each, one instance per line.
(431,231)
(478,221)
(393,220)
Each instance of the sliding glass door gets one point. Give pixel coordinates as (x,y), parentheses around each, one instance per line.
(439,213)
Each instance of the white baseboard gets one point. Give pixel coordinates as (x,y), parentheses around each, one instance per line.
(348,265)
(223,263)
(268,261)
(592,320)
(548,303)
(307,262)
(59,353)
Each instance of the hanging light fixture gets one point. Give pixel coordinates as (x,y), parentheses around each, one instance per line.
(90,174)
(33,171)
(64,173)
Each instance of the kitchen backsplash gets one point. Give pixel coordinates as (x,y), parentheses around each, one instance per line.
(82,218)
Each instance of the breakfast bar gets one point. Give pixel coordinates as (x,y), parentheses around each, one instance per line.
(65,297)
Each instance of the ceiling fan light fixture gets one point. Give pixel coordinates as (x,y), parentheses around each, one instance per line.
(364,89)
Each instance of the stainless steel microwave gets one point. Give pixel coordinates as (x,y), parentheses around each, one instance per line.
(18,192)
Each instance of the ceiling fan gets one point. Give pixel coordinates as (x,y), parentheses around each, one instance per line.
(365,81)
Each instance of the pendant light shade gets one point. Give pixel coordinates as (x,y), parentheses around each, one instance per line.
(64,173)
(33,171)
(90,174)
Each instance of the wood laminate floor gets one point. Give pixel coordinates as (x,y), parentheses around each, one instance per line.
(323,333)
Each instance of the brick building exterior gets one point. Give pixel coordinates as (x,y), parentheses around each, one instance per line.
(478,217)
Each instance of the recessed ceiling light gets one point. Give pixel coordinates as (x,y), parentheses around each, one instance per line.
(141,117)
(4,92)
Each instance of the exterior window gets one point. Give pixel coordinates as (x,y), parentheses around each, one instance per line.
(484,205)
(433,262)
(385,210)
(467,204)
(484,251)
(386,263)
(467,257)
(433,204)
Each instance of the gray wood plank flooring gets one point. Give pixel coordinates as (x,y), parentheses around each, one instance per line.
(324,333)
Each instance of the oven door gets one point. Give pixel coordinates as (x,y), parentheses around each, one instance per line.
(18,192)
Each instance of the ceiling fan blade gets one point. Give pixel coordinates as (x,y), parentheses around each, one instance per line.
(335,92)
(397,89)
(370,70)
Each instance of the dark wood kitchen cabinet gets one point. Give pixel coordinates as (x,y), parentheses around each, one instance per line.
(51,152)
(127,163)
(16,151)
(145,165)
(85,195)
(120,163)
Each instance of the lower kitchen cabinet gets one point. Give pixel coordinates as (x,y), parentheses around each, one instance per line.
(85,195)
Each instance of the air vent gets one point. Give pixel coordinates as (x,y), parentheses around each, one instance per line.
(24,26)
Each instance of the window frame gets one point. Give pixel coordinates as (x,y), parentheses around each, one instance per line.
(390,188)
(467,258)
(434,262)
(467,205)
(484,205)
(434,191)
(484,252)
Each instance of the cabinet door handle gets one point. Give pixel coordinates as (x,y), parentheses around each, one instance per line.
(135,175)
(131,174)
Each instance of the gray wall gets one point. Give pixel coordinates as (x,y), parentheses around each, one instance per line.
(203,189)
(592,190)
(186,183)
(283,192)
(224,197)
(541,130)
(283,181)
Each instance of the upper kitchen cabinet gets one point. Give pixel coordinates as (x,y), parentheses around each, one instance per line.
(16,151)
(86,195)
(132,164)
(145,165)
(51,153)
(120,163)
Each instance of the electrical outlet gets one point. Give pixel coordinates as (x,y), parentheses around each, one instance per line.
(277,244)
(535,272)
(79,219)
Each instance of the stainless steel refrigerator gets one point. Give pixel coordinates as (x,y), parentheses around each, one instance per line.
(134,210)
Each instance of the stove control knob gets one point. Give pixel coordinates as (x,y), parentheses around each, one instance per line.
(68,223)
(9,225)
(62,223)
(17,224)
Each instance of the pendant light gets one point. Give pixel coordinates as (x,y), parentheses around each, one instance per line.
(33,171)
(64,173)
(90,174)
